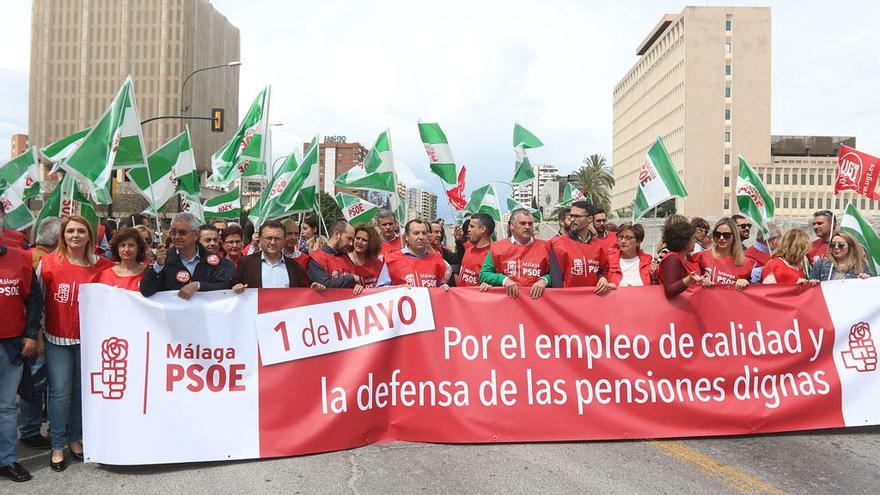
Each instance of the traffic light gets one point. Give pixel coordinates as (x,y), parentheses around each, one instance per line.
(217,120)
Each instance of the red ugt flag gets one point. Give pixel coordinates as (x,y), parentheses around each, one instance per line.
(456,192)
(857,171)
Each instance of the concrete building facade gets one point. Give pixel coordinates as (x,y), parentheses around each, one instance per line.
(531,190)
(81,52)
(421,204)
(336,157)
(702,84)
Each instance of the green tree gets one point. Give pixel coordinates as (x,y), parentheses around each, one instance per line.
(596,180)
(329,209)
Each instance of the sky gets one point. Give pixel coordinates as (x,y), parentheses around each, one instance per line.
(356,68)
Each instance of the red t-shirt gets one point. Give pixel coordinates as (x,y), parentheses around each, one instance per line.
(335,266)
(427,271)
(369,271)
(61,280)
(16,275)
(130,282)
(609,242)
(471,263)
(818,250)
(784,274)
(303,260)
(722,271)
(580,262)
(522,264)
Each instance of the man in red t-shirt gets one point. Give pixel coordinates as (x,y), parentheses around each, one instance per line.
(21,309)
(579,259)
(603,236)
(416,265)
(389,231)
(519,261)
(480,228)
(822,227)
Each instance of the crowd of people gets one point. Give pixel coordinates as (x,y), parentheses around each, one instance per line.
(40,279)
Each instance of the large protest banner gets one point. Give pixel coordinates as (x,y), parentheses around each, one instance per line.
(289,371)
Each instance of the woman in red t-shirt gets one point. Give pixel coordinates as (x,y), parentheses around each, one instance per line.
(129,250)
(61,273)
(725,263)
(365,256)
(787,264)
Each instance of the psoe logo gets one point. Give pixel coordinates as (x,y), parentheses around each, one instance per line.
(862,354)
(109,383)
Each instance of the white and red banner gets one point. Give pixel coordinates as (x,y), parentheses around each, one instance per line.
(167,380)
(857,171)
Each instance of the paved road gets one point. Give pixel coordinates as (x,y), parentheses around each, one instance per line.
(823,462)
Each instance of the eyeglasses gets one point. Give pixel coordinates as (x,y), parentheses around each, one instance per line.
(271,239)
(838,245)
(722,235)
(572,215)
(626,238)
(703,230)
(745,225)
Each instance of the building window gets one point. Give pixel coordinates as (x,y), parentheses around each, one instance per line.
(785,202)
(828,179)
(726,136)
(776,180)
(727,158)
(863,203)
(727,91)
(803,179)
(812,203)
(727,71)
(726,114)
(803,203)
(812,179)
(727,48)
(785,179)
(836,203)
(726,203)
(768,179)
(726,181)
(794,178)
(728,25)
(821,177)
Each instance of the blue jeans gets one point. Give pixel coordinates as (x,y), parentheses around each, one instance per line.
(10,376)
(65,401)
(30,419)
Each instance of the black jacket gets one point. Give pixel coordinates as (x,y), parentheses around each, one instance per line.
(209,275)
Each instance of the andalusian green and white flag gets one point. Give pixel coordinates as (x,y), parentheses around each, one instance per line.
(439,153)
(658,181)
(58,151)
(376,173)
(513,204)
(172,169)
(19,182)
(248,144)
(572,194)
(356,210)
(293,189)
(484,200)
(523,171)
(192,204)
(855,224)
(226,205)
(66,200)
(752,197)
(115,141)
(524,138)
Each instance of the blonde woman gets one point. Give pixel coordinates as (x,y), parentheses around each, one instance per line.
(61,273)
(788,261)
(846,260)
(724,263)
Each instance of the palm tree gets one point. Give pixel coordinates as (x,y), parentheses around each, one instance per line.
(596,180)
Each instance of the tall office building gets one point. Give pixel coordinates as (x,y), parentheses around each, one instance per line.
(19,145)
(336,157)
(531,190)
(702,84)
(421,204)
(81,52)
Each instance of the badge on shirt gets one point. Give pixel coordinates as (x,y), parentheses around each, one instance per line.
(213,259)
(183,276)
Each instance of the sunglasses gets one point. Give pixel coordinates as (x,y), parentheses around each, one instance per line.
(838,245)
(722,235)
(745,226)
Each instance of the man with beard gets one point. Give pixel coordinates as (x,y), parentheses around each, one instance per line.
(579,260)
(603,236)
(744,226)
(331,266)
(823,228)
(479,233)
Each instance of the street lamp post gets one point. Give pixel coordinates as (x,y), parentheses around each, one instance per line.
(182,86)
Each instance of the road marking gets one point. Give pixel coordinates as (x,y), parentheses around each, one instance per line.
(729,476)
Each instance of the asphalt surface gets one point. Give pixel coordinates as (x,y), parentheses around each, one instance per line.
(845,461)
